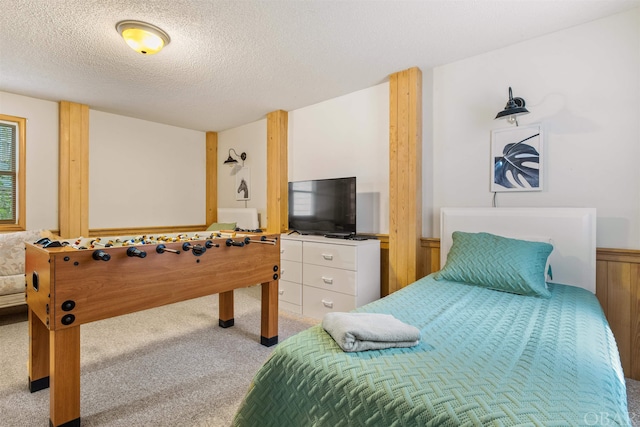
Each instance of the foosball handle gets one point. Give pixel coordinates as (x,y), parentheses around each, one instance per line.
(136,252)
(209,244)
(231,242)
(100,255)
(52,244)
(197,250)
(247,240)
(161,248)
(42,241)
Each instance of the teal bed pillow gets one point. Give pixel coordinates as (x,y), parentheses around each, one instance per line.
(500,263)
(217,226)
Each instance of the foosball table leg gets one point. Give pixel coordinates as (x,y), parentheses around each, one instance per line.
(38,354)
(269,320)
(64,397)
(225,310)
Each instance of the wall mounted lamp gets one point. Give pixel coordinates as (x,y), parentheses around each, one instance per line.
(514,108)
(231,161)
(142,37)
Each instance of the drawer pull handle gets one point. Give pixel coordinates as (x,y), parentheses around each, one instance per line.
(328,280)
(281,272)
(328,304)
(328,257)
(281,251)
(281,291)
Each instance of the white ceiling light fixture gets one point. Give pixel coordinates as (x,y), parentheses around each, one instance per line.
(143,37)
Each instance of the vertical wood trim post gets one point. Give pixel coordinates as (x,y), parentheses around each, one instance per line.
(73,180)
(405,177)
(277,172)
(211,190)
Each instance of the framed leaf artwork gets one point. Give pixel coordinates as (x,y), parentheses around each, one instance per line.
(516,159)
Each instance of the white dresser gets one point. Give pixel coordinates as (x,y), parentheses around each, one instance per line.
(319,275)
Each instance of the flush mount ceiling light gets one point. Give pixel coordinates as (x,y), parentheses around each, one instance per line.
(142,37)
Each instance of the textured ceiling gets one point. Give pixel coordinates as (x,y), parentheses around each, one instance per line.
(231,62)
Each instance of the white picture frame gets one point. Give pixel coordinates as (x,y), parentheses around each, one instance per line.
(517,159)
(243,184)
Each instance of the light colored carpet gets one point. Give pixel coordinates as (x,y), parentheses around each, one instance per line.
(167,366)
(633,400)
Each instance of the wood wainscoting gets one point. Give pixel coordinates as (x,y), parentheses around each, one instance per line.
(617,283)
(145,231)
(617,289)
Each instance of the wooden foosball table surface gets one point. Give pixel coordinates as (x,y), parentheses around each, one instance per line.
(76,281)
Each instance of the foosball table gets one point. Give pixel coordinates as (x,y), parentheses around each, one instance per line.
(77,281)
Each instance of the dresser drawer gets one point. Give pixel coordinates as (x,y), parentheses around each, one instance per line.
(291,271)
(337,256)
(318,302)
(294,308)
(290,292)
(331,279)
(290,250)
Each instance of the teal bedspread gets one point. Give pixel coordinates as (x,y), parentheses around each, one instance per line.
(487,358)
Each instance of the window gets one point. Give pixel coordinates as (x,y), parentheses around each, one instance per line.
(12,172)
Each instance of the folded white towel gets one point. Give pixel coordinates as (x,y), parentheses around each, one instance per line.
(369,331)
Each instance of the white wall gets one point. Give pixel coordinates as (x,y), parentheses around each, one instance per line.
(428,189)
(347,136)
(144,174)
(42,157)
(583,85)
(251,139)
(140,173)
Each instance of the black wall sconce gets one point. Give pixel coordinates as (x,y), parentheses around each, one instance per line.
(231,161)
(514,108)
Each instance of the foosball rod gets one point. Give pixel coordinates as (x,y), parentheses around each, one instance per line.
(262,240)
(197,249)
(162,249)
(210,244)
(231,242)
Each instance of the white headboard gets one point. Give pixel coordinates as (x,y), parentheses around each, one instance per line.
(572,231)
(245,218)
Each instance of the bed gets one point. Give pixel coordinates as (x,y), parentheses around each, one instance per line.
(487,356)
(244,218)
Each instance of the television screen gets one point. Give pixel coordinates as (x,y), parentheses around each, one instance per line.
(323,206)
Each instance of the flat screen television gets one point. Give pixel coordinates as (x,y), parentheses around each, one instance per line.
(323,206)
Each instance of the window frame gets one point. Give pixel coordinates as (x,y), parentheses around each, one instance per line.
(20,223)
